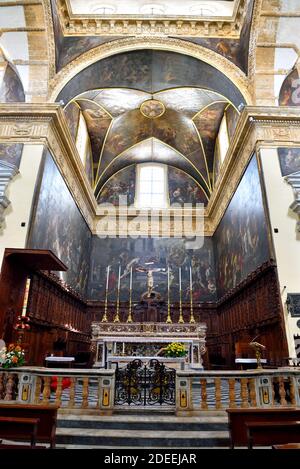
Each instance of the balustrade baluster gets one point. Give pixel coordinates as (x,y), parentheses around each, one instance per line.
(58,390)
(71,404)
(37,391)
(253,400)
(231,384)
(46,390)
(282,392)
(204,405)
(85,393)
(1,385)
(244,392)
(292,391)
(218,393)
(9,387)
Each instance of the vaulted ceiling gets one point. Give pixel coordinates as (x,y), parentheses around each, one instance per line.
(176,126)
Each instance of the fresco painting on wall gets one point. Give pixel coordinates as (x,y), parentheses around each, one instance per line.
(150,71)
(232,117)
(122,184)
(161,252)
(58,225)
(183,189)
(241,239)
(217,163)
(11,153)
(289,159)
(72,113)
(208,123)
(234,50)
(11,89)
(290,91)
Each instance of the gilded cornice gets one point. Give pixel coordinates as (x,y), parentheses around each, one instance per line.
(258,127)
(167,44)
(253,40)
(50,37)
(46,124)
(136,25)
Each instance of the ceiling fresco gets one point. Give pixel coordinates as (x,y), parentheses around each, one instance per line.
(176,126)
(141,112)
(69,47)
(150,71)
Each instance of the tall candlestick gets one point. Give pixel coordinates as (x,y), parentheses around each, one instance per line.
(129,319)
(180,320)
(192,319)
(169,320)
(117,317)
(104,319)
(25,301)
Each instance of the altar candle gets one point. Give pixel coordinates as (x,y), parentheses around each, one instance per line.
(130,286)
(180,278)
(27,288)
(191,281)
(119,278)
(168,278)
(107,276)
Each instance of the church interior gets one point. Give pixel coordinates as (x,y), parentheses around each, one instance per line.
(149,222)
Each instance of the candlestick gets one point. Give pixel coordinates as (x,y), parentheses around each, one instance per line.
(117,317)
(104,319)
(180,320)
(26,295)
(192,319)
(169,320)
(129,319)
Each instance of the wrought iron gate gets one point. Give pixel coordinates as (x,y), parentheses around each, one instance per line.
(145,385)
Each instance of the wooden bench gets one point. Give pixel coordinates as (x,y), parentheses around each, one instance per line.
(46,426)
(12,427)
(237,419)
(269,433)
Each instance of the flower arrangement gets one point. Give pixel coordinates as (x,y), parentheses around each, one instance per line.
(13,356)
(175,349)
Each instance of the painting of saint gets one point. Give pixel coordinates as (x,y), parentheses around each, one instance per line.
(290,91)
(158,253)
(11,153)
(120,185)
(241,239)
(183,189)
(58,225)
(289,159)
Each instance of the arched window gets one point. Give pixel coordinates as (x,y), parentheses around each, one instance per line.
(152,186)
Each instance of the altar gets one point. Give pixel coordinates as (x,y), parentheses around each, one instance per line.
(119,343)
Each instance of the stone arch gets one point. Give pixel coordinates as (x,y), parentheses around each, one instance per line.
(234,74)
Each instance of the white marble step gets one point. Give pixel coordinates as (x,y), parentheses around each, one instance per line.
(141,434)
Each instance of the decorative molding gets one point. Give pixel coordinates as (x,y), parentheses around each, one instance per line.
(258,127)
(50,37)
(46,124)
(234,73)
(141,25)
(7,173)
(294,181)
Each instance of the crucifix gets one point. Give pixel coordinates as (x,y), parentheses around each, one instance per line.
(150,281)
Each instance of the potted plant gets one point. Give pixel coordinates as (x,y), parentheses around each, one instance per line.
(12,356)
(174,350)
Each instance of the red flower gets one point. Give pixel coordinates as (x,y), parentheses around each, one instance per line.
(66,383)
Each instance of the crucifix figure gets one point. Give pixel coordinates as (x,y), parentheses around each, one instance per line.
(150,281)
